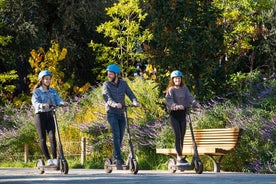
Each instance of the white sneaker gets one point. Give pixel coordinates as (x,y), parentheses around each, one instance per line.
(50,162)
(55,161)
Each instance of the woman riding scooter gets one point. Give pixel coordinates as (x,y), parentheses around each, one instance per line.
(178,98)
(43,97)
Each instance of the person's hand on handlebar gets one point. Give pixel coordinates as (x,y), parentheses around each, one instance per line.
(64,104)
(118,105)
(196,105)
(135,103)
(45,106)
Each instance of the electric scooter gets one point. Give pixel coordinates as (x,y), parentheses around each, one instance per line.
(196,163)
(62,164)
(132,163)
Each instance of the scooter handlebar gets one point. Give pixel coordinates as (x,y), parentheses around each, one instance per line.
(130,105)
(53,107)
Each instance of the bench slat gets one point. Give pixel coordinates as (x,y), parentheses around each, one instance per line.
(188,142)
(190,151)
(218,130)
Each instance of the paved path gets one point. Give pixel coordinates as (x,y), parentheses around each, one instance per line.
(85,176)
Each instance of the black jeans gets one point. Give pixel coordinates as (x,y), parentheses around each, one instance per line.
(44,123)
(178,123)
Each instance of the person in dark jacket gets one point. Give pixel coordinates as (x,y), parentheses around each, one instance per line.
(114,91)
(178,99)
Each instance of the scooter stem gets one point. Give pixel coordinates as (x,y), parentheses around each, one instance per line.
(58,135)
(128,133)
(192,134)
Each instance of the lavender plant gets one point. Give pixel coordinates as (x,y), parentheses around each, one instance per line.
(256,147)
(16,130)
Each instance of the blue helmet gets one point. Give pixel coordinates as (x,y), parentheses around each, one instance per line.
(44,73)
(113,68)
(176,73)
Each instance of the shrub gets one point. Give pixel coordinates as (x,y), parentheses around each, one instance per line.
(255,151)
(17,130)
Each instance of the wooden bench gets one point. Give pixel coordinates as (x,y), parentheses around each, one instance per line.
(215,143)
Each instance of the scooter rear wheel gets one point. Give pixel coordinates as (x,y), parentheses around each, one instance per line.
(64,168)
(107,165)
(198,166)
(171,165)
(134,166)
(40,165)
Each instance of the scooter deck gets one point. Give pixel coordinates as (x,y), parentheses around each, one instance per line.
(49,167)
(183,167)
(120,167)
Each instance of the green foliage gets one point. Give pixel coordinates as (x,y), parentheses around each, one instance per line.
(265,49)
(41,60)
(188,38)
(245,85)
(6,85)
(4,40)
(125,35)
(17,129)
(256,145)
(34,23)
(240,20)
(149,160)
(217,116)
(18,164)
(166,137)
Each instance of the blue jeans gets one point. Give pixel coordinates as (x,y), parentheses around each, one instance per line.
(118,124)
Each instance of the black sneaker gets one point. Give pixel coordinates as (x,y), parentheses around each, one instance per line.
(182,162)
(118,162)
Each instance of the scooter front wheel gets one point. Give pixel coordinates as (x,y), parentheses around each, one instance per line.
(64,168)
(134,166)
(107,165)
(198,166)
(40,166)
(171,165)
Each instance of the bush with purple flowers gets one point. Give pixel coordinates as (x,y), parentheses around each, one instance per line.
(256,150)
(17,129)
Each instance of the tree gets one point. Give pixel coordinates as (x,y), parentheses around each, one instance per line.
(265,46)
(187,38)
(6,88)
(41,60)
(243,25)
(34,23)
(125,35)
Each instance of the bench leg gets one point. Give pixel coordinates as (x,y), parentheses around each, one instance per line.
(215,162)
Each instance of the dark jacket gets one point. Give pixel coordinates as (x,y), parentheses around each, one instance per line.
(115,93)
